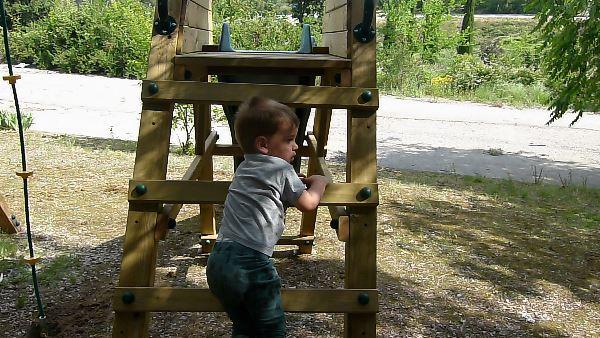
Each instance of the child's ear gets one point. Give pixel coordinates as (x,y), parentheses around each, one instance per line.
(261,144)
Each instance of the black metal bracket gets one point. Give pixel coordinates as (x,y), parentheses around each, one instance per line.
(363,32)
(165,24)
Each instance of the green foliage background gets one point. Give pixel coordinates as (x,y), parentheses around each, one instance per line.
(416,50)
(571,35)
(95,37)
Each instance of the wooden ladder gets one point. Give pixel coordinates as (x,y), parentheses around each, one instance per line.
(179,70)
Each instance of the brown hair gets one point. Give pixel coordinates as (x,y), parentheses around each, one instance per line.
(260,116)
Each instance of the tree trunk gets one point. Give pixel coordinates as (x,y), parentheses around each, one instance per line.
(466,30)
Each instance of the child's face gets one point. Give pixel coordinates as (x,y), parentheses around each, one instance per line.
(282,144)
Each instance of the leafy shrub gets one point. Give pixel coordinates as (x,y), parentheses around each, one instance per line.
(96,37)
(469,72)
(399,71)
(23,12)
(183,119)
(8,121)
(260,25)
(520,51)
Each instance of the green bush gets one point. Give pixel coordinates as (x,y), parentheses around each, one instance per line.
(262,33)
(260,25)
(8,121)
(514,94)
(23,12)
(95,37)
(469,72)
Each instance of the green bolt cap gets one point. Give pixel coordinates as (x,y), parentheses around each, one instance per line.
(363,298)
(366,96)
(153,88)
(128,297)
(364,193)
(140,189)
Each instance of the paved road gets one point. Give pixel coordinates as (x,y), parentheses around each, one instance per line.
(459,137)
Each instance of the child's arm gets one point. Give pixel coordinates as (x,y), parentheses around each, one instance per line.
(310,198)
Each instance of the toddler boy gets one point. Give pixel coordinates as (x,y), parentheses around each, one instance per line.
(239,271)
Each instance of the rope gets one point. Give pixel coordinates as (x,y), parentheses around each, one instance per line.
(41,314)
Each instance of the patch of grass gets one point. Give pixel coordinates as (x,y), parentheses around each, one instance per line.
(14,272)
(9,120)
(61,267)
(513,94)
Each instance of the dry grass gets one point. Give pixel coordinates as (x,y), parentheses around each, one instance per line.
(457,256)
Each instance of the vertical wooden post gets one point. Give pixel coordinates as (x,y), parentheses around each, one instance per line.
(361,263)
(138,264)
(321,132)
(202,126)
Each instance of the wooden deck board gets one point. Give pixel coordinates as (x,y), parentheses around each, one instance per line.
(263,60)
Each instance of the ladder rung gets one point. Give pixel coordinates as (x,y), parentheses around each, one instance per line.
(235,93)
(215,192)
(284,240)
(149,299)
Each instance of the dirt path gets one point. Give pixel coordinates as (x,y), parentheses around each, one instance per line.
(452,137)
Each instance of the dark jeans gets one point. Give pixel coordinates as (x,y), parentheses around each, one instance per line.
(247,284)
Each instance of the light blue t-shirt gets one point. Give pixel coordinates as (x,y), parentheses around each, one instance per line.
(263,186)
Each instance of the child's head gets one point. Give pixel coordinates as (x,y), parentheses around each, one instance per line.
(267,127)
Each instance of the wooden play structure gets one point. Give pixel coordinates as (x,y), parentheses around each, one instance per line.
(180,63)
(8,221)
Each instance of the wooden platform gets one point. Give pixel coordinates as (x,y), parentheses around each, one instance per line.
(263,60)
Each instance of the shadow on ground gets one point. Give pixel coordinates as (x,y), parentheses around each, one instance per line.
(492,163)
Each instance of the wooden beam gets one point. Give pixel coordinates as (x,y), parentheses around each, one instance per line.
(7,223)
(235,93)
(202,300)
(199,163)
(336,20)
(284,240)
(138,264)
(361,247)
(215,192)
(262,60)
(331,5)
(235,150)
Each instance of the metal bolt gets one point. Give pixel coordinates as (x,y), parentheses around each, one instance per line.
(128,297)
(366,96)
(338,78)
(334,223)
(363,298)
(153,88)
(364,193)
(140,189)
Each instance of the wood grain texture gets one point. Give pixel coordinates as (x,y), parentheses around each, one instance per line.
(294,300)
(263,60)
(235,93)
(176,191)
